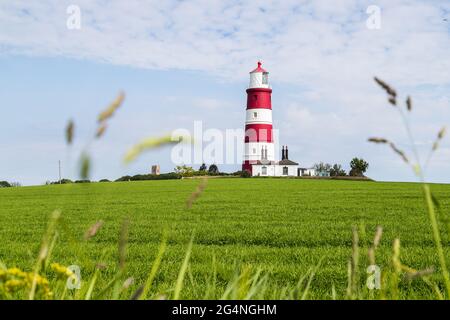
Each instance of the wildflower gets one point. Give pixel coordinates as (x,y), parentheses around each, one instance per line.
(14,285)
(61,271)
(16,272)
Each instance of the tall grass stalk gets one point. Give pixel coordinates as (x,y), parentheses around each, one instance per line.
(418,169)
(155,267)
(181,274)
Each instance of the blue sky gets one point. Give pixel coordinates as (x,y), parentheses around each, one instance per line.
(184,61)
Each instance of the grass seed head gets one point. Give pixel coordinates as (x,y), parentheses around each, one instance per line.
(440,136)
(419,274)
(92,231)
(399,152)
(152,143)
(85,166)
(392,101)
(396,255)
(111,109)
(389,90)
(378,140)
(408,103)
(128,282)
(442,133)
(101,130)
(137,294)
(69,131)
(377,238)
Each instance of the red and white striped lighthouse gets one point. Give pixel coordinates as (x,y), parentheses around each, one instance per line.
(259,143)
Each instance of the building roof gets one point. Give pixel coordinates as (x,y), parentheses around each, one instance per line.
(265,162)
(287,162)
(258,69)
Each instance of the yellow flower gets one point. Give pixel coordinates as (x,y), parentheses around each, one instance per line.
(14,284)
(16,272)
(14,279)
(61,270)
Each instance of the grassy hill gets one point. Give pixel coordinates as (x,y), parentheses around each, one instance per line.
(281,227)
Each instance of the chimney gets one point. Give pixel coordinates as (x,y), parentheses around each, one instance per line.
(286,153)
(266,153)
(282,153)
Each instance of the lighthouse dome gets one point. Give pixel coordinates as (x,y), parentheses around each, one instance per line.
(259,77)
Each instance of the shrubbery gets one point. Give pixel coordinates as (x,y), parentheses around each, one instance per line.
(143,177)
(242,174)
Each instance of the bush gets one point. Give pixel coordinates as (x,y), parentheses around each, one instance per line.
(104,180)
(83,181)
(200,173)
(242,174)
(63,181)
(124,178)
(143,177)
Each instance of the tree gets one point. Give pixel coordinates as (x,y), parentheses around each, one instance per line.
(5,184)
(358,167)
(202,167)
(213,169)
(184,171)
(337,171)
(321,167)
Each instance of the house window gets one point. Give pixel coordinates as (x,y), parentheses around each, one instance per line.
(255,115)
(285,171)
(264,171)
(265,78)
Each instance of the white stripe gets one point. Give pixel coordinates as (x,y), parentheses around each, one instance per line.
(253,151)
(259,115)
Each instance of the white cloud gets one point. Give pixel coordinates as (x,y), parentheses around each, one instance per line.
(322,47)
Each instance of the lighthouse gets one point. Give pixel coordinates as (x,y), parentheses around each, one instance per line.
(259,144)
(259,152)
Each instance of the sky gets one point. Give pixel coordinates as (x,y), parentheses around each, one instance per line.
(185,61)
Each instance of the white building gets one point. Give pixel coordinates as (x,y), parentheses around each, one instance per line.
(270,168)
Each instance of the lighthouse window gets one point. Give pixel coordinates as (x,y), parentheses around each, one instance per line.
(255,97)
(255,114)
(265,78)
(254,150)
(264,171)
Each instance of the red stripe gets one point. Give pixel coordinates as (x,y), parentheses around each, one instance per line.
(247,166)
(259,98)
(258,133)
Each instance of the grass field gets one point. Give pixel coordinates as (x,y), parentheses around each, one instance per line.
(283,226)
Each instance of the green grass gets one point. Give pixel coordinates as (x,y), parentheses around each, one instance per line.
(282,226)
